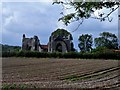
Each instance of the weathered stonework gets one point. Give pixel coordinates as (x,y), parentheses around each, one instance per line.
(59,43)
(32,44)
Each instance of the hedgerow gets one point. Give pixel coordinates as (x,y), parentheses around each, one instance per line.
(88,55)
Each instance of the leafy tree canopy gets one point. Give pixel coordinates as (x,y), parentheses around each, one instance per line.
(108,40)
(85,42)
(100,49)
(84,9)
(7,48)
(62,32)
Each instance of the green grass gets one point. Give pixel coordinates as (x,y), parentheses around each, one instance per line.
(91,75)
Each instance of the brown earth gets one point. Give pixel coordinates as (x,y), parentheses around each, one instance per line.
(61,73)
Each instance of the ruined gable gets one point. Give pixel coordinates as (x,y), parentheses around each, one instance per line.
(30,44)
(60,41)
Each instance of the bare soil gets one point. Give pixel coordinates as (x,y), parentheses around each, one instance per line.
(61,73)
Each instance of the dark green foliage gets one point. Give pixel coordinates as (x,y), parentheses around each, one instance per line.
(62,32)
(32,54)
(8,48)
(99,49)
(85,42)
(9,54)
(71,55)
(107,40)
(55,55)
(84,10)
(102,54)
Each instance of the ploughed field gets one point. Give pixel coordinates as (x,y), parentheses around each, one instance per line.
(61,73)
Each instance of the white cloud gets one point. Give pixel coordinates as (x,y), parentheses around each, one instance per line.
(41,19)
(60,24)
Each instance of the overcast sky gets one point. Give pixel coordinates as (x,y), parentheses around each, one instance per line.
(41,19)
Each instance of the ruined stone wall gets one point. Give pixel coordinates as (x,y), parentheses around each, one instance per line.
(30,44)
(65,45)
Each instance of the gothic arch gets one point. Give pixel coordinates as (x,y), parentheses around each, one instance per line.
(61,46)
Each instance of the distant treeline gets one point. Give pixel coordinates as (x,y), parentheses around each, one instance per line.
(8,48)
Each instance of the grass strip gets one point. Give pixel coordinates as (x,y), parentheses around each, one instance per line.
(91,75)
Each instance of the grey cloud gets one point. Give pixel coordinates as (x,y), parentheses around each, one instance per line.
(41,19)
(31,20)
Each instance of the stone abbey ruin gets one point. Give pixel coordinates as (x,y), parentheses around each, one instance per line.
(59,41)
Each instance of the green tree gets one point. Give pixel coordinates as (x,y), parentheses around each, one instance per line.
(85,42)
(108,40)
(62,32)
(84,9)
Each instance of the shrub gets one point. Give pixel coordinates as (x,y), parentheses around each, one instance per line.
(71,55)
